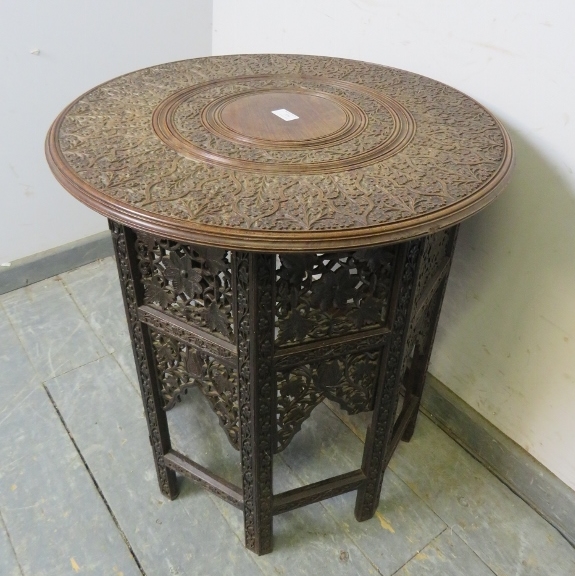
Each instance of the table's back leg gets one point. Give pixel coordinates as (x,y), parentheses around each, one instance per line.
(417,372)
(433,271)
(387,394)
(254,320)
(132,291)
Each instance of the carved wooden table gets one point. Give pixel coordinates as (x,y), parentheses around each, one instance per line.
(283,227)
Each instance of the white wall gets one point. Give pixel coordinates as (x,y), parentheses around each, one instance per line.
(506,342)
(82,43)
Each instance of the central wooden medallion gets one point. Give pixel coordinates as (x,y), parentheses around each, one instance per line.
(251,118)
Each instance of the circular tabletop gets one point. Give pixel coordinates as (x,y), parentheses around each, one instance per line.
(280,153)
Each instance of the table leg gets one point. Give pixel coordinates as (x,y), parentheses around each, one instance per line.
(436,259)
(417,372)
(255,289)
(132,291)
(380,429)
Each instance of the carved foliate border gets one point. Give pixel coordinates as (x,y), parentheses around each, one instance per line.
(104,150)
(170,328)
(180,367)
(329,351)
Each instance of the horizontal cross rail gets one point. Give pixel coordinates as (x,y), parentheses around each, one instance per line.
(318,491)
(215,484)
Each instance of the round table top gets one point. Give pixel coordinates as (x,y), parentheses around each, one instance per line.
(280,153)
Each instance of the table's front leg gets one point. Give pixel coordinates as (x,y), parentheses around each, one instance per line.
(132,291)
(379,432)
(254,321)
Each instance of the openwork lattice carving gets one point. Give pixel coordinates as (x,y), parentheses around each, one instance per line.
(349,380)
(189,282)
(180,367)
(436,254)
(324,295)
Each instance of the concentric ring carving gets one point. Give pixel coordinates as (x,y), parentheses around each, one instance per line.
(418,157)
(181,125)
(354,123)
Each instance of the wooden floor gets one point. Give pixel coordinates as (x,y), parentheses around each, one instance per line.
(78,492)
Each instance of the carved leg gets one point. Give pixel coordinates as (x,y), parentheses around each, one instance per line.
(436,259)
(415,377)
(255,282)
(379,431)
(123,239)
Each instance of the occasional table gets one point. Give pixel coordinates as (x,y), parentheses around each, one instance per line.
(283,227)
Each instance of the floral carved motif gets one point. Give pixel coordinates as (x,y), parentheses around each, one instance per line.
(190,282)
(435,255)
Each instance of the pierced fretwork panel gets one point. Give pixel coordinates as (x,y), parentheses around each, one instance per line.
(180,366)
(190,282)
(325,295)
(348,380)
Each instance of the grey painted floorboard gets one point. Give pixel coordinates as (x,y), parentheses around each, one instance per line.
(8,561)
(447,555)
(95,289)
(17,376)
(306,542)
(56,520)
(508,535)
(403,523)
(325,447)
(125,358)
(186,536)
(56,336)
(195,431)
(502,530)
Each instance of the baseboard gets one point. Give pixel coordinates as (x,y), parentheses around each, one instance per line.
(56,261)
(513,465)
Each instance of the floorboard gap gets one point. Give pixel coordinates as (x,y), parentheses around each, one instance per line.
(94,481)
(3,525)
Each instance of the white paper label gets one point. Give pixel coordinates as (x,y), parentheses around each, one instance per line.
(285,114)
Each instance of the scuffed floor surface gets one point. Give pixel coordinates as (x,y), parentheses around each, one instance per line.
(78,492)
